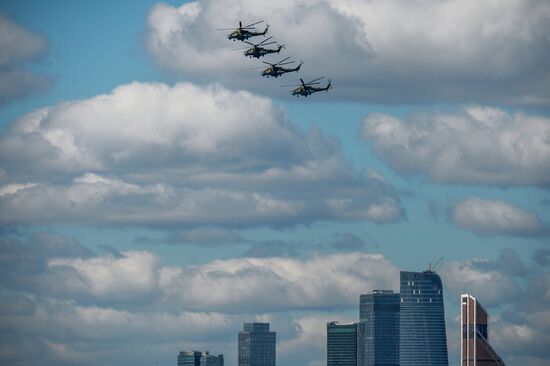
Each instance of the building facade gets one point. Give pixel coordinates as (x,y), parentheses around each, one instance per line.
(257,345)
(189,358)
(345,344)
(422,338)
(211,360)
(379,311)
(475,348)
(198,358)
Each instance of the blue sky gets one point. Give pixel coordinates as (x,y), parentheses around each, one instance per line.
(150,181)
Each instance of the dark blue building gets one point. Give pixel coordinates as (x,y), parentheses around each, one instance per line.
(256,345)
(345,344)
(379,311)
(422,338)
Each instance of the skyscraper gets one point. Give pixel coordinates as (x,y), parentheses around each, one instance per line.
(422,338)
(475,348)
(345,344)
(379,311)
(256,345)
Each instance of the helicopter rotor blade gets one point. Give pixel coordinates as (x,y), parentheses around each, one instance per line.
(302,80)
(267,44)
(287,86)
(286,63)
(309,82)
(226,29)
(250,43)
(283,60)
(265,40)
(240,25)
(268,63)
(250,25)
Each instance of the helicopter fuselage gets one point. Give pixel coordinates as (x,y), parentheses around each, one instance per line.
(305,90)
(258,52)
(244,34)
(276,71)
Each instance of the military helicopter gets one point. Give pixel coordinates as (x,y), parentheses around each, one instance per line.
(277,70)
(258,50)
(244,33)
(306,89)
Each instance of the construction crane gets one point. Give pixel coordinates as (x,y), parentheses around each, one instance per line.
(432,268)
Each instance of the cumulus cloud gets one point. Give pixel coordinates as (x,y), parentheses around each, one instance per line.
(477,145)
(66,333)
(487,217)
(381,51)
(60,267)
(238,285)
(19,45)
(491,286)
(150,154)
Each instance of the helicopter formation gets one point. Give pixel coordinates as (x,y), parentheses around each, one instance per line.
(257,50)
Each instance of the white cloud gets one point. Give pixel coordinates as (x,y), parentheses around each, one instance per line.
(133,275)
(492,287)
(489,217)
(150,154)
(382,51)
(19,45)
(478,145)
(237,285)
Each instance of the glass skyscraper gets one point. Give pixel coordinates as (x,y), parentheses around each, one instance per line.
(379,311)
(345,344)
(256,345)
(475,348)
(422,339)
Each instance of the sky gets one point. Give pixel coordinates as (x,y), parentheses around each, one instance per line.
(156,192)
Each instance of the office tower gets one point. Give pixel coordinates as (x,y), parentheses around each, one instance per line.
(345,344)
(475,350)
(379,311)
(256,345)
(189,358)
(422,338)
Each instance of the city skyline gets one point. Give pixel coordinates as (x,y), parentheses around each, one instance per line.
(156,192)
(412,319)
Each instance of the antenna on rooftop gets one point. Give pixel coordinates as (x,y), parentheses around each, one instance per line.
(432,268)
